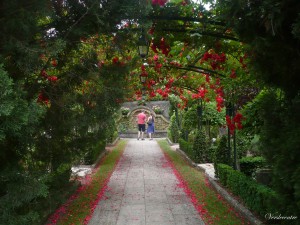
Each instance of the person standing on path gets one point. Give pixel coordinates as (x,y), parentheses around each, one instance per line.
(150,128)
(141,119)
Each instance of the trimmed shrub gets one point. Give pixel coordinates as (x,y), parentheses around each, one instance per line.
(173,130)
(249,165)
(256,197)
(200,147)
(221,154)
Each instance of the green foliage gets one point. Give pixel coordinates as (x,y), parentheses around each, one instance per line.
(22,191)
(93,154)
(221,154)
(257,197)
(190,119)
(200,147)
(174,100)
(243,143)
(280,146)
(249,165)
(270,63)
(211,119)
(40,141)
(212,116)
(187,148)
(173,130)
(253,121)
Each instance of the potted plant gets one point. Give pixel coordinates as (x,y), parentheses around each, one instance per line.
(125,110)
(157,109)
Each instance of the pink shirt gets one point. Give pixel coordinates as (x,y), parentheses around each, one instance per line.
(141,118)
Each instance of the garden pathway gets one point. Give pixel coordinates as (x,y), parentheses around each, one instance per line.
(144,190)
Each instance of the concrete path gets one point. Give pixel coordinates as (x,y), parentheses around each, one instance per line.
(144,190)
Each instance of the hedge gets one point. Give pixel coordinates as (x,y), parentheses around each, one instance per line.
(187,148)
(250,164)
(256,197)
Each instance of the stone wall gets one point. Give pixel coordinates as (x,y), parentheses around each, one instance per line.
(127,125)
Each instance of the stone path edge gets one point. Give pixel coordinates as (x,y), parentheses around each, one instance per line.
(234,203)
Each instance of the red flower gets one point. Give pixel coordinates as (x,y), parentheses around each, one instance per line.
(195,96)
(235,123)
(202,92)
(219,100)
(42,99)
(44,73)
(52,78)
(157,66)
(152,94)
(206,56)
(154,48)
(239,126)
(170,82)
(115,60)
(54,62)
(165,49)
(159,2)
(238,118)
(184,2)
(151,31)
(233,74)
(207,78)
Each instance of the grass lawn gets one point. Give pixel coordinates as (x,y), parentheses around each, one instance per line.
(211,206)
(80,206)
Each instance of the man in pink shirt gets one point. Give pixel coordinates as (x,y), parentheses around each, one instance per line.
(141,119)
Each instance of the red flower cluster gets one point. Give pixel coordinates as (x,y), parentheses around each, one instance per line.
(207,78)
(184,2)
(235,123)
(42,99)
(152,94)
(242,61)
(151,30)
(115,60)
(159,2)
(154,47)
(169,83)
(164,93)
(49,78)
(220,102)
(157,67)
(151,82)
(176,64)
(214,59)
(54,62)
(233,74)
(144,72)
(201,93)
(165,48)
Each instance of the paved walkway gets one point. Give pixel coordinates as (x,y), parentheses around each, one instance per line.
(143,190)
